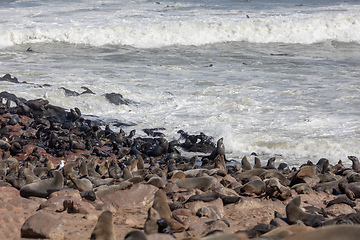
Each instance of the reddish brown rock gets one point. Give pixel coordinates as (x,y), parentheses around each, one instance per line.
(10,200)
(216,205)
(138,195)
(101,206)
(29,148)
(133,222)
(218,225)
(195,225)
(78,206)
(23,203)
(8,191)
(253,211)
(15,130)
(183,212)
(55,203)
(338,209)
(315,199)
(74,193)
(42,225)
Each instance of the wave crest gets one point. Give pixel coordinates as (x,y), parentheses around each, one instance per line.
(302,29)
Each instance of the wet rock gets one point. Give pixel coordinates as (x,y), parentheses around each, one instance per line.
(7,77)
(117,99)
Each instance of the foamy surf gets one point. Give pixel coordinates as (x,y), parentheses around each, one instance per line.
(270,77)
(294,29)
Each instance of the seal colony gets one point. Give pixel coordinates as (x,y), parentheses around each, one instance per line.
(48,153)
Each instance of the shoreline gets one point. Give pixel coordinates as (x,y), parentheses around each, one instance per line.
(124,174)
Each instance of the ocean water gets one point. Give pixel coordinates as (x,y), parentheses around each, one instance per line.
(278,78)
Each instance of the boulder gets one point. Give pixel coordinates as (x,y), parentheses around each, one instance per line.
(139,195)
(42,225)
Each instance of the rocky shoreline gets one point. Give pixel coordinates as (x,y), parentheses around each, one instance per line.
(66,177)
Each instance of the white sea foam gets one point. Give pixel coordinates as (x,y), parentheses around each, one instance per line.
(299,105)
(213,26)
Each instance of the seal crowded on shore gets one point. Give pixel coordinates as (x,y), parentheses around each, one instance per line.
(191,197)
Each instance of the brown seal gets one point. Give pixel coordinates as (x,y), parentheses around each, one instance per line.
(104,229)
(282,232)
(43,188)
(302,188)
(219,150)
(151,225)
(82,184)
(355,163)
(257,187)
(274,189)
(202,183)
(250,173)
(352,190)
(257,162)
(245,164)
(227,236)
(334,232)
(135,235)
(304,172)
(157,181)
(160,204)
(295,213)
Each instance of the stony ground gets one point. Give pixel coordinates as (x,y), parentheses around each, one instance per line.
(36,133)
(244,215)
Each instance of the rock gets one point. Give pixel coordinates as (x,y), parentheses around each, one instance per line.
(42,225)
(337,209)
(253,208)
(67,193)
(8,191)
(183,212)
(23,203)
(160,236)
(216,205)
(10,200)
(117,99)
(78,206)
(139,195)
(133,222)
(195,225)
(217,225)
(55,203)
(227,180)
(91,216)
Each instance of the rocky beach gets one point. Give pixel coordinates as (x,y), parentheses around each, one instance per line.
(63,176)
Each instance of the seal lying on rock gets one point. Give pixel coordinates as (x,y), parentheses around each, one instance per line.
(202,183)
(352,190)
(295,213)
(257,187)
(43,188)
(329,233)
